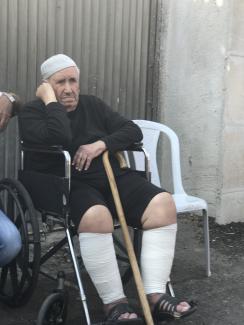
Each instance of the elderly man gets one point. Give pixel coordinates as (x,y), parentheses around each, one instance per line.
(87,127)
(10,240)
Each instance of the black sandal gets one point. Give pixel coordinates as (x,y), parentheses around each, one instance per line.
(117,311)
(165,308)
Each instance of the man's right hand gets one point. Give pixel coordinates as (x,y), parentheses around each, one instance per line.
(46,93)
(86,153)
(6,108)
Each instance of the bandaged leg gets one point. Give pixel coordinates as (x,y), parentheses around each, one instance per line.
(98,254)
(158,246)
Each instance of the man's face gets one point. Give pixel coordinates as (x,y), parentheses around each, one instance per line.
(65,84)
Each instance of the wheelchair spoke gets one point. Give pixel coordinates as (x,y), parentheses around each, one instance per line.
(28,275)
(10,207)
(3,278)
(1,204)
(14,277)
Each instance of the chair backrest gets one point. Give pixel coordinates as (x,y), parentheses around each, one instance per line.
(151,133)
(48,192)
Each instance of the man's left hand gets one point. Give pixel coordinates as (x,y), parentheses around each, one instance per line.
(86,153)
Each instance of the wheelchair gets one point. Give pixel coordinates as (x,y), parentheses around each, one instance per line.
(47,195)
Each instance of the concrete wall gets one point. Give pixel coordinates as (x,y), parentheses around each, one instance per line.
(231,201)
(201,98)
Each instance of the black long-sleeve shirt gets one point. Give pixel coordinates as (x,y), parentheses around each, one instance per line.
(92,120)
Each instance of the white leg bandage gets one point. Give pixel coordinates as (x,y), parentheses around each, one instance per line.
(98,254)
(157,254)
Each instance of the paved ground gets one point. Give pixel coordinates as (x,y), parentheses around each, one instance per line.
(220,297)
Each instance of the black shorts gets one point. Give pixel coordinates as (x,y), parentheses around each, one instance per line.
(134,190)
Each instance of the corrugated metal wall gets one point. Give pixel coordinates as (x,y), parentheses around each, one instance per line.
(109,40)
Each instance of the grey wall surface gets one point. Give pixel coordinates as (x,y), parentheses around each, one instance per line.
(201,98)
(110,41)
(231,199)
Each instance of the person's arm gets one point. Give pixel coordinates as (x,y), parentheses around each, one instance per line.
(45,121)
(121,134)
(9,106)
(16,105)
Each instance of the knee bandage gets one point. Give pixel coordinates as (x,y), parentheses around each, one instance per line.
(157,254)
(97,251)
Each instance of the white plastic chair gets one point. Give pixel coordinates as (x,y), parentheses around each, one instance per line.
(184,202)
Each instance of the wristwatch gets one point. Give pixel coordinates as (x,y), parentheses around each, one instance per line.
(10,97)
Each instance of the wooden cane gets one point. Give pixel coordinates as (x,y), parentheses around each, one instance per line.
(127,240)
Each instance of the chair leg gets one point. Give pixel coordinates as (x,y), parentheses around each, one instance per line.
(206,241)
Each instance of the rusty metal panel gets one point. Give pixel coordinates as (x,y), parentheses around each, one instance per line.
(108,39)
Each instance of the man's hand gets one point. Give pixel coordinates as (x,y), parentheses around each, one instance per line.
(86,153)
(46,93)
(6,108)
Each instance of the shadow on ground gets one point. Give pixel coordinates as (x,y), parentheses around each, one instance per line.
(220,297)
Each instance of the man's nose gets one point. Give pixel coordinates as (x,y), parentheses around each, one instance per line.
(67,87)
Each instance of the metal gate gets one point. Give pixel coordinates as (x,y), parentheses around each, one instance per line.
(112,41)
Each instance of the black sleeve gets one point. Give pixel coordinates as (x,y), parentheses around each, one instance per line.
(121,132)
(48,125)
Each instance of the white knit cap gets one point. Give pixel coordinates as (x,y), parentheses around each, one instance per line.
(56,63)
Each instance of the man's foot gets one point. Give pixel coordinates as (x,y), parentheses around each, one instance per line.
(165,307)
(154,298)
(120,310)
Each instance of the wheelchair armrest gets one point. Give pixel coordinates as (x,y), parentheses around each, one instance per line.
(137,146)
(120,157)
(55,149)
(123,157)
(41,148)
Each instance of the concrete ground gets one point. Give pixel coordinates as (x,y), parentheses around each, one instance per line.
(220,297)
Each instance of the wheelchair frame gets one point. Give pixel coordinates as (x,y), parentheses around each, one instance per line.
(69,230)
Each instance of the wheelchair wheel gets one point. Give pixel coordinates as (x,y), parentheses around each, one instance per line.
(19,278)
(53,311)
